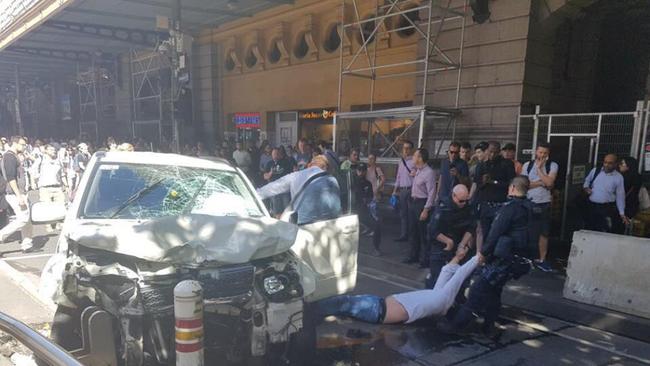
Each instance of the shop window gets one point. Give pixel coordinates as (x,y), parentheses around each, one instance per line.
(404,26)
(251,59)
(274,53)
(230,62)
(302,47)
(367,27)
(332,39)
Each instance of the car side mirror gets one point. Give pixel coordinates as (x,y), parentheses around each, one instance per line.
(47,212)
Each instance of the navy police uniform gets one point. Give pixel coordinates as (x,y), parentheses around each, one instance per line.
(506,249)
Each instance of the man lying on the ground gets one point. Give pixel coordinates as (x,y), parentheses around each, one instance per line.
(406,307)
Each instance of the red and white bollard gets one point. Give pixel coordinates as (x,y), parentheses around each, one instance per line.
(188,311)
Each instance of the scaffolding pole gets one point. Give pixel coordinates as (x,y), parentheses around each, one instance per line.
(431,60)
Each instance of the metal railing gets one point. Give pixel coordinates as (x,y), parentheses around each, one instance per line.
(42,347)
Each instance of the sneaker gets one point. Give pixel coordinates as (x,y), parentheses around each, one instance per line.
(543,266)
(27,245)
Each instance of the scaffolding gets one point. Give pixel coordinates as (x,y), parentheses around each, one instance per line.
(152,97)
(96,98)
(426,20)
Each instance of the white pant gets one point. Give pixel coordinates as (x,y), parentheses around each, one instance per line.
(22,221)
(423,303)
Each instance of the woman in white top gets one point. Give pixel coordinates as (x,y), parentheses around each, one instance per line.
(375,176)
(406,307)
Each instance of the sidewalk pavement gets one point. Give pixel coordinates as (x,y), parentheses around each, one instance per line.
(537,292)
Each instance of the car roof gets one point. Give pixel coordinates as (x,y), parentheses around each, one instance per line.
(151,158)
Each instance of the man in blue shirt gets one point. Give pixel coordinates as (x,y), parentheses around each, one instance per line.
(451,170)
(606,192)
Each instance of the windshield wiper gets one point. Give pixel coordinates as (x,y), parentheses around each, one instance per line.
(137,196)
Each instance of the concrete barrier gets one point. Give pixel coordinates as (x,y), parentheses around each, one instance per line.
(608,270)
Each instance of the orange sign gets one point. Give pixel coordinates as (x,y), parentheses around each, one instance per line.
(324,114)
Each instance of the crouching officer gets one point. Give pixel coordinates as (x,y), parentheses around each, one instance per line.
(453,225)
(504,252)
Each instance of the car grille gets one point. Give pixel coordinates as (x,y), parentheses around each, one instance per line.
(227,281)
(217,283)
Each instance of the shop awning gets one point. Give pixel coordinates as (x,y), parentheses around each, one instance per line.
(53,36)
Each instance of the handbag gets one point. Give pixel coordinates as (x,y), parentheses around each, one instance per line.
(644,199)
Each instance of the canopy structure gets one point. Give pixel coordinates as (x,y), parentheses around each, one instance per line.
(380,132)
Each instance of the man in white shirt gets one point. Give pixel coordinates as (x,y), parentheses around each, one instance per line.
(242,158)
(541,173)
(50,175)
(606,190)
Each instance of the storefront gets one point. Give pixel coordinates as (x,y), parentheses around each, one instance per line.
(316,125)
(248,126)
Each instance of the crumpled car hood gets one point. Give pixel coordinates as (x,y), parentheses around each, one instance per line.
(190,239)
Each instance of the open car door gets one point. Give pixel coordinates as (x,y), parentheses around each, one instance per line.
(329,244)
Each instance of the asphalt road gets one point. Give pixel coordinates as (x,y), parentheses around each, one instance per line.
(526,338)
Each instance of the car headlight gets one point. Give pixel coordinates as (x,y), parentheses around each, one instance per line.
(273,285)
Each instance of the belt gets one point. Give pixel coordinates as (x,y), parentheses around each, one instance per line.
(418,199)
(52,186)
(404,188)
(602,204)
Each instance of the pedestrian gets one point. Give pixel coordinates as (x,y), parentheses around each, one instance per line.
(633,181)
(242,158)
(303,154)
(376,177)
(14,174)
(480,152)
(275,169)
(505,254)
(316,192)
(366,206)
(605,189)
(492,179)
(352,161)
(422,198)
(51,179)
(541,173)
(402,189)
(81,160)
(452,170)
(333,161)
(508,152)
(265,158)
(405,307)
(466,152)
(453,225)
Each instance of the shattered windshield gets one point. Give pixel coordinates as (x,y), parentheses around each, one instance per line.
(137,191)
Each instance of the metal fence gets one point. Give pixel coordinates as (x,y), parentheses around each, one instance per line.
(618,133)
(579,142)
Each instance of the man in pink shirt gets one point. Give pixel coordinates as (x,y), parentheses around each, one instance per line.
(423,194)
(403,183)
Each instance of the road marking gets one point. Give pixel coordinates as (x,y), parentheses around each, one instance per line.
(538,327)
(8,259)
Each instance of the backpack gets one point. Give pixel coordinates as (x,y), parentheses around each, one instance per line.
(532,163)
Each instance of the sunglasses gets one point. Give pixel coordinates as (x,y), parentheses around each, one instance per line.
(453,151)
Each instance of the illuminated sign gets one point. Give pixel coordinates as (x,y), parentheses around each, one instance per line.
(324,114)
(247,120)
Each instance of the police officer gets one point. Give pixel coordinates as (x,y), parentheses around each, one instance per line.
(504,252)
(453,225)
(492,177)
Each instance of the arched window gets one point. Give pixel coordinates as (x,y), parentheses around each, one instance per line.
(302,47)
(332,40)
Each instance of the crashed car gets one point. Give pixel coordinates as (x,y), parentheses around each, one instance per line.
(142,222)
